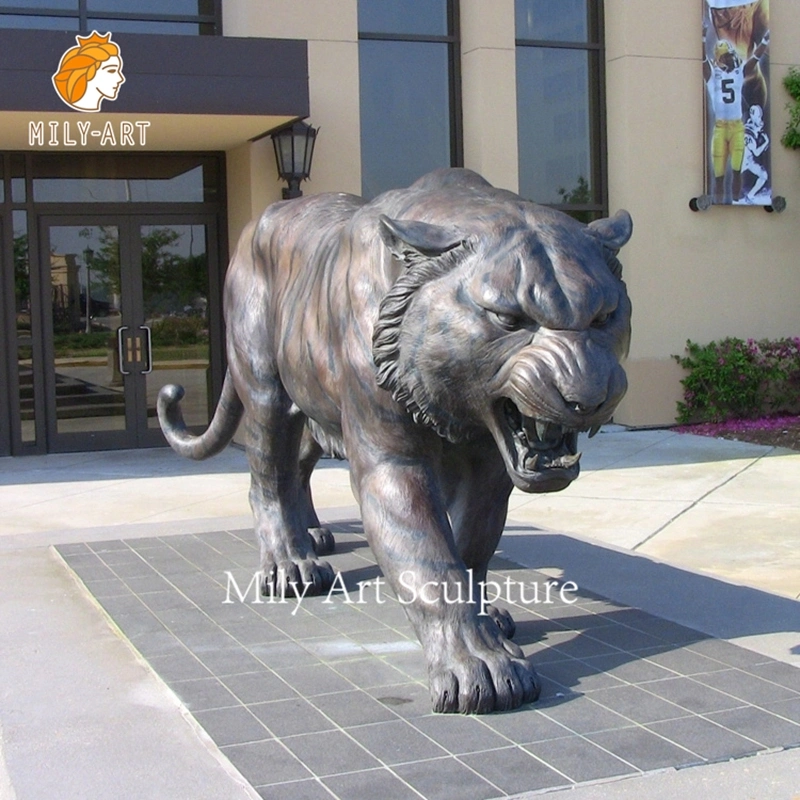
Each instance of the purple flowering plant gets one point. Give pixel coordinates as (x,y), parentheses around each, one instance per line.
(733,379)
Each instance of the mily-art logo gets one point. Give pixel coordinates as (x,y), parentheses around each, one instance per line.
(89,72)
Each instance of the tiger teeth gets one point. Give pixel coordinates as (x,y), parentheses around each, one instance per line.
(567,461)
(548,432)
(531,462)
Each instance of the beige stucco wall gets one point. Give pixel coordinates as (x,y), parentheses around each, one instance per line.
(728,271)
(331,29)
(251,174)
(489,93)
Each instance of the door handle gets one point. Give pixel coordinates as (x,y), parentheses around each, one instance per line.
(149,337)
(121,350)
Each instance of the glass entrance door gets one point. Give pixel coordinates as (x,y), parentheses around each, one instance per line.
(173,258)
(88,310)
(126,311)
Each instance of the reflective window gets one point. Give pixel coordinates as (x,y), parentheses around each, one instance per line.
(86,312)
(405,119)
(47,5)
(148,26)
(136,16)
(39,22)
(114,179)
(559,86)
(403,16)
(175,293)
(554,125)
(22,311)
(18,184)
(409,97)
(18,190)
(553,20)
(157,7)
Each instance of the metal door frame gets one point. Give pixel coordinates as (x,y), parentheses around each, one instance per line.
(152,437)
(136,433)
(7,314)
(100,440)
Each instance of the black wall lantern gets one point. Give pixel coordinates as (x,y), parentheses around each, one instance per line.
(294,148)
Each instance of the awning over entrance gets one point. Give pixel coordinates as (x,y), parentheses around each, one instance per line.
(196,92)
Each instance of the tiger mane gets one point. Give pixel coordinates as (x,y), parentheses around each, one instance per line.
(407,386)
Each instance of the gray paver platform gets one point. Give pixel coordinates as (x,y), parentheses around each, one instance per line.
(329,697)
(682,649)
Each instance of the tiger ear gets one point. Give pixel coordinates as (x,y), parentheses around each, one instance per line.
(410,241)
(613,232)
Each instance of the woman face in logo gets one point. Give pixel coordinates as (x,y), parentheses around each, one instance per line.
(108,78)
(89,73)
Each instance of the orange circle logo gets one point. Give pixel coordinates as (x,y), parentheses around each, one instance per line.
(89,72)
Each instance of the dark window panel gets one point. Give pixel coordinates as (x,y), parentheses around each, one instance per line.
(405,112)
(175,291)
(85,302)
(583,216)
(46,5)
(157,7)
(18,190)
(22,311)
(420,17)
(555,125)
(187,188)
(111,179)
(113,15)
(553,20)
(145,26)
(18,178)
(38,22)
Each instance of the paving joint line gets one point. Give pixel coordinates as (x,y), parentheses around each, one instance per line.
(612,464)
(699,500)
(387,767)
(244,705)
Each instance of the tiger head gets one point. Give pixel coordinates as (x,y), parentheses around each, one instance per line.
(509,319)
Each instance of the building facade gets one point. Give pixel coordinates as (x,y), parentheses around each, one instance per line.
(117,220)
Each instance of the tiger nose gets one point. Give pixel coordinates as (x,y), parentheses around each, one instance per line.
(581,408)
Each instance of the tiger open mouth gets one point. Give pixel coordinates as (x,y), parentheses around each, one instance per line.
(539,451)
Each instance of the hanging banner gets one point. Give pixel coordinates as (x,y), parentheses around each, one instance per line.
(736,74)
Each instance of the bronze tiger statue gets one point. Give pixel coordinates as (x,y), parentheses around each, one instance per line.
(450,340)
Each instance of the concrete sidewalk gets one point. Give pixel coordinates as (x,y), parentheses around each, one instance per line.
(701,532)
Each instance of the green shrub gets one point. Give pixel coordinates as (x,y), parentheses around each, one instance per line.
(180,330)
(66,343)
(734,379)
(791,138)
